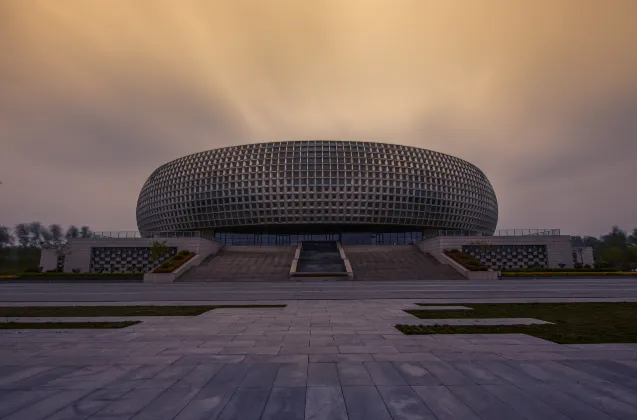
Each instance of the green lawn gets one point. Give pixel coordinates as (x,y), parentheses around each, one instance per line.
(87,311)
(64,325)
(574,323)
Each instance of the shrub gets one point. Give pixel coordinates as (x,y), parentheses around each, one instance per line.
(561,270)
(178,257)
(567,273)
(33,270)
(166,264)
(466,260)
(184,252)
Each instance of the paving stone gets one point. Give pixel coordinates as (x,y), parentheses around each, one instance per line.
(207,404)
(17,374)
(321,358)
(129,404)
(322,374)
(508,372)
(564,403)
(42,378)
(285,404)
(567,373)
(477,373)
(364,403)
(353,373)
(276,358)
(168,404)
(251,350)
(600,372)
(308,350)
(11,401)
(325,403)
(415,374)
(384,373)
(444,404)
(404,404)
(446,374)
(522,402)
(245,404)
(405,357)
(483,403)
(367,349)
(596,398)
(291,375)
(260,375)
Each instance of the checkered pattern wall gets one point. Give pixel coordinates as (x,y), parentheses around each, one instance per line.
(317,182)
(509,256)
(126,259)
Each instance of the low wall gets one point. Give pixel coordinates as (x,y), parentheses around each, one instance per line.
(558,248)
(80,257)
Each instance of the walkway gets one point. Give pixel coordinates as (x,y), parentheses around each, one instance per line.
(314,359)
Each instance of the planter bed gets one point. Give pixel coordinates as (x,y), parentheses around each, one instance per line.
(465,260)
(65,277)
(174,263)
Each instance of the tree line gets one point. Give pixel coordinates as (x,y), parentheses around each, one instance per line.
(37,235)
(616,249)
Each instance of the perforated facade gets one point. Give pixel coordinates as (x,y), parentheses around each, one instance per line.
(317,186)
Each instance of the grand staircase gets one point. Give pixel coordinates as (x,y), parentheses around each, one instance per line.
(244,263)
(396,262)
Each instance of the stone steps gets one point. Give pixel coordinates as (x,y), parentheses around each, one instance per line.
(396,262)
(245,263)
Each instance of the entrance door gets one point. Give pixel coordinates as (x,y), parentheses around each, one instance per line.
(380,239)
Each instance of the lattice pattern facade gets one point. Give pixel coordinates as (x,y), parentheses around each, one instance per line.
(509,256)
(325,183)
(126,259)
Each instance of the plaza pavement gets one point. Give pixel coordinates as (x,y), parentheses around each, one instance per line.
(313,359)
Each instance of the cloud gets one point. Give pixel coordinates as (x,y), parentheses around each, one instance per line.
(540,95)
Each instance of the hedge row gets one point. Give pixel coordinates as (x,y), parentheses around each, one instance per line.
(62,274)
(561,270)
(569,273)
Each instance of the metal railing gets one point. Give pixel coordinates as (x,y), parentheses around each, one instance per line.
(149,235)
(501,232)
(527,232)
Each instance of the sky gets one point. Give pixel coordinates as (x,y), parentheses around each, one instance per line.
(541,95)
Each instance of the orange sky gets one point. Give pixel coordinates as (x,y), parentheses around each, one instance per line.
(541,95)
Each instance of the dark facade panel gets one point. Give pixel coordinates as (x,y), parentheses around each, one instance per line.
(306,185)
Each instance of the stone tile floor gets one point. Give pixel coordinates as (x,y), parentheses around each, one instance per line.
(311,360)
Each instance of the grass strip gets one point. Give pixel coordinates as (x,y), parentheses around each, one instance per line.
(88,311)
(64,325)
(573,323)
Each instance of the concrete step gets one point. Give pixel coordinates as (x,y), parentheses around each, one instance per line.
(245,263)
(396,262)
